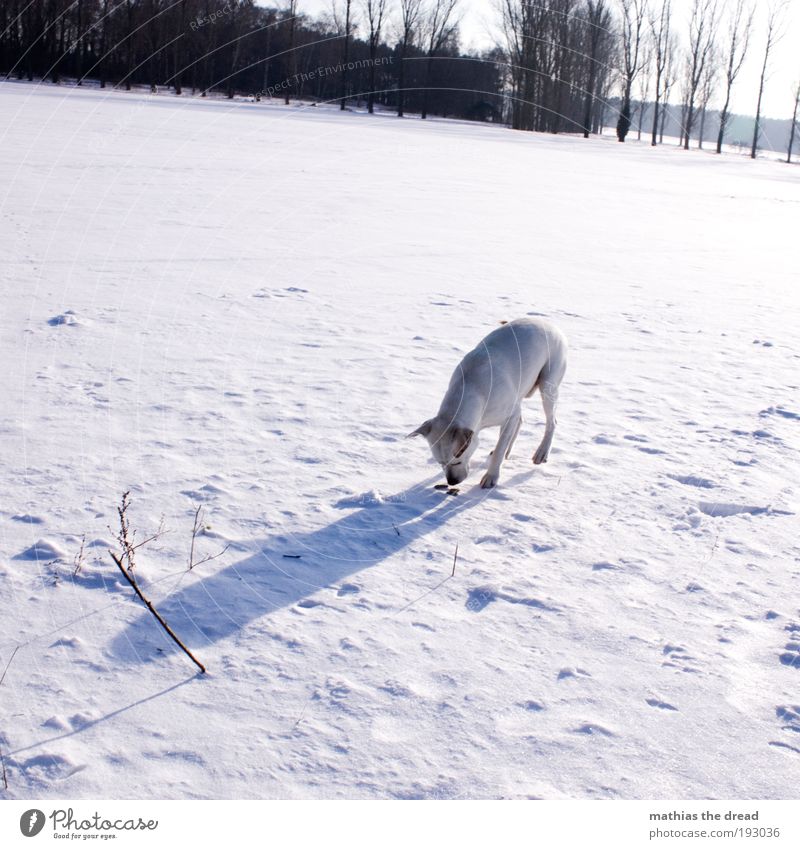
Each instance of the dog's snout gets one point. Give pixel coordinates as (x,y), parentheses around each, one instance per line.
(455,475)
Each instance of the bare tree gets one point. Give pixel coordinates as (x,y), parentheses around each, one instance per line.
(598,19)
(702,25)
(660,35)
(514,25)
(707,86)
(740,25)
(291,18)
(374,11)
(644,87)
(439,26)
(775,21)
(345,30)
(634,13)
(793,130)
(409,23)
(670,78)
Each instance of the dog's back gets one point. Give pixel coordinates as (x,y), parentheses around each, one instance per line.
(512,361)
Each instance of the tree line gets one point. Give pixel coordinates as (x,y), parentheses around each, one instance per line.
(557,65)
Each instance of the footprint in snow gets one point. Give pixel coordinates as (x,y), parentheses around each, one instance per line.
(66,319)
(26,517)
(693,480)
(791,654)
(659,703)
(593,728)
(715,508)
(789,716)
(679,658)
(572,672)
(46,768)
(780,411)
(481,597)
(205,493)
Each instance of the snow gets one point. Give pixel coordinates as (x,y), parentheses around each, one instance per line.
(247,307)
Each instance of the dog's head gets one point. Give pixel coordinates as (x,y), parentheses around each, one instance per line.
(451,446)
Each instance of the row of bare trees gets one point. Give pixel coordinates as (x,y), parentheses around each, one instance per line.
(560,65)
(403,54)
(560,56)
(705,62)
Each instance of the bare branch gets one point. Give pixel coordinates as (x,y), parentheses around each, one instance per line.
(125,538)
(197,528)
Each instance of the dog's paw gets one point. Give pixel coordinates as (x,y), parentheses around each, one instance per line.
(541,456)
(490,480)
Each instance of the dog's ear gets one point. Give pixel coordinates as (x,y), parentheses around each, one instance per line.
(462,436)
(423,430)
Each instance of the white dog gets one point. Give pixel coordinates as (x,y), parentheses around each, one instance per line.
(486,390)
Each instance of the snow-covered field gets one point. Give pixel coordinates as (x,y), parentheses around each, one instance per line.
(247,307)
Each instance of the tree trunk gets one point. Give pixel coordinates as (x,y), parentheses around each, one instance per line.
(702,127)
(654,139)
(723,120)
(343,102)
(177,54)
(401,79)
(794,125)
(754,148)
(428,65)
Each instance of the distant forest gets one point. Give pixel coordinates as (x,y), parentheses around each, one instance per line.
(560,66)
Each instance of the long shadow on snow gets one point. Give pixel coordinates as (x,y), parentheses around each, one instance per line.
(217,606)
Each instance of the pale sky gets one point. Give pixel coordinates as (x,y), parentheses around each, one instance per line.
(479,28)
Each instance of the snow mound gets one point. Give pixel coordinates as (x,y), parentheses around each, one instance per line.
(42,549)
(67,318)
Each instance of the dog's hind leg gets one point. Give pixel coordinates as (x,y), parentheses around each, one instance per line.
(549,392)
(508,433)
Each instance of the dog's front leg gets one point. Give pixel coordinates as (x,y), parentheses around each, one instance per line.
(508,433)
